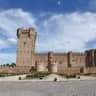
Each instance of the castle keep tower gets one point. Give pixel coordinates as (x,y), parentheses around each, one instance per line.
(25,47)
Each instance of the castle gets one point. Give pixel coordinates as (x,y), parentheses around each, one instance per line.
(52,62)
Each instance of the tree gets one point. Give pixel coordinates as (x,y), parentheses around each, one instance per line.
(13,64)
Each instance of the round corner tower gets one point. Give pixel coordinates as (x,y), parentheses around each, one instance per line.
(52,65)
(25,46)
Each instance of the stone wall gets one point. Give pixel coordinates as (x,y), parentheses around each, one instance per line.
(75,60)
(15,69)
(61,69)
(78,60)
(40,66)
(89,70)
(69,70)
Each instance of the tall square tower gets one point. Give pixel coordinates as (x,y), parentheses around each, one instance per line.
(25,46)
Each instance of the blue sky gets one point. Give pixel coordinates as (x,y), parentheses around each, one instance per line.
(47,5)
(62,25)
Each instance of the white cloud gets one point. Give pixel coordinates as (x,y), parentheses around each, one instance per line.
(12,40)
(11,19)
(65,32)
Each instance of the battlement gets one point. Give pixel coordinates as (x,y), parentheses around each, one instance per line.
(30,32)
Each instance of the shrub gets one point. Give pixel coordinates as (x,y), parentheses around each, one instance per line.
(71,76)
(68,75)
(37,75)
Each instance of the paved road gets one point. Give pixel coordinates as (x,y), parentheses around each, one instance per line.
(66,88)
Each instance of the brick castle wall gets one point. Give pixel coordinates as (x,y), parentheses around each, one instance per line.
(27,69)
(15,69)
(89,70)
(69,70)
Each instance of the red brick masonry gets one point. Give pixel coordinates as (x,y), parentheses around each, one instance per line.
(16,69)
(68,70)
(89,70)
(27,69)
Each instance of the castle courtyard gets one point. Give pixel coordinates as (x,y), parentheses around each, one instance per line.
(67,88)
